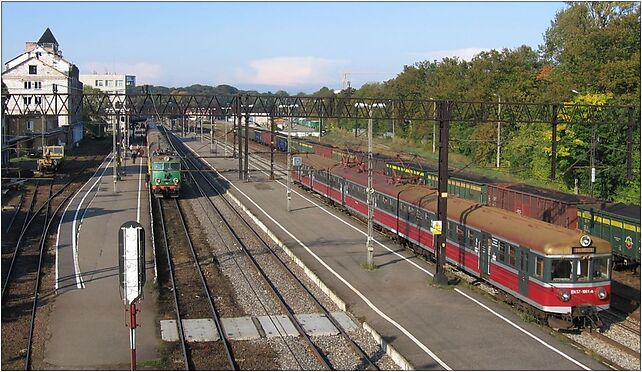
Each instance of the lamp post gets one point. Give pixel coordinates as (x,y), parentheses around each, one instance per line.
(370,191)
(434,123)
(289,158)
(499,125)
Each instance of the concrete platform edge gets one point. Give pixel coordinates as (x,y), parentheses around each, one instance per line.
(402,362)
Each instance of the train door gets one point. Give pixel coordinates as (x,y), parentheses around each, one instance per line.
(485,243)
(522,270)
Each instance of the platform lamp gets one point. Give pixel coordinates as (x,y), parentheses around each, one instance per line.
(370,191)
(289,158)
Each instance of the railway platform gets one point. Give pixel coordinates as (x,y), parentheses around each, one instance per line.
(86,327)
(433,328)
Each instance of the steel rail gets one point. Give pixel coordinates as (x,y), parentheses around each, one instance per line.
(365,359)
(43,240)
(286,308)
(25,227)
(170,267)
(15,214)
(215,315)
(247,280)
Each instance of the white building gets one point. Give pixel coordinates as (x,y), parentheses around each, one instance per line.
(110,83)
(41,69)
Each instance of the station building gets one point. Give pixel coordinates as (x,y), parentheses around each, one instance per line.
(41,69)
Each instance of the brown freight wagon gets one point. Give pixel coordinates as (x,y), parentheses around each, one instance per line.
(322,150)
(545,205)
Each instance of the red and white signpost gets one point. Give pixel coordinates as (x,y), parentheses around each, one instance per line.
(131,265)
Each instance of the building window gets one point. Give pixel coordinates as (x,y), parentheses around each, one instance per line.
(27,85)
(99,83)
(26,100)
(37,85)
(30,125)
(33,70)
(108,83)
(119,83)
(38,100)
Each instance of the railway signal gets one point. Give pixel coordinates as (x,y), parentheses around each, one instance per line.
(131,272)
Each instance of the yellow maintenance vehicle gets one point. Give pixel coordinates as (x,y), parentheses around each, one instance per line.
(51,160)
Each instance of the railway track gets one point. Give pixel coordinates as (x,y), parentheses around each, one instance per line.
(622,330)
(23,276)
(184,270)
(256,249)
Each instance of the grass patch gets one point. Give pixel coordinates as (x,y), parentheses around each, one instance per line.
(21,159)
(365,266)
(154,364)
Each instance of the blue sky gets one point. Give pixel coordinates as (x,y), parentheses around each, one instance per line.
(294,46)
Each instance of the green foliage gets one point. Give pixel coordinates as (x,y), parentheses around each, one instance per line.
(590,47)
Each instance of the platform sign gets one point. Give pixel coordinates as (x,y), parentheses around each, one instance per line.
(131,261)
(297,161)
(435,227)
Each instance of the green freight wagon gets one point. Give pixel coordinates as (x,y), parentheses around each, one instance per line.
(466,189)
(300,146)
(617,223)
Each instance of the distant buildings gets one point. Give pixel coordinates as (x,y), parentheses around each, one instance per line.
(110,83)
(41,69)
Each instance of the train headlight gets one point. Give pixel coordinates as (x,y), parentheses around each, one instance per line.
(585,241)
(602,294)
(565,295)
(158,180)
(176,181)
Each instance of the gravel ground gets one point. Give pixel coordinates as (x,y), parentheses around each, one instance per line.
(606,351)
(248,288)
(90,154)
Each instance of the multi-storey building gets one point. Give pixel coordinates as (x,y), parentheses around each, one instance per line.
(41,69)
(110,83)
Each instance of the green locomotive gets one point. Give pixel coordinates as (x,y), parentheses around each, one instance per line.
(164,166)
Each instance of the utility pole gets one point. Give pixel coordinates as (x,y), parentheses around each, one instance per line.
(442,189)
(370,191)
(247,140)
(114,123)
(592,155)
(289,167)
(554,143)
(499,126)
(237,122)
(434,124)
(271,146)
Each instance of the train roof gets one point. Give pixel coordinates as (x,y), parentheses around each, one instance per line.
(537,235)
(631,211)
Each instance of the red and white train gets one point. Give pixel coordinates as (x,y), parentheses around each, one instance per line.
(561,275)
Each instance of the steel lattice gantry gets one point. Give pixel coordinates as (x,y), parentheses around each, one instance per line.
(102,104)
(310,107)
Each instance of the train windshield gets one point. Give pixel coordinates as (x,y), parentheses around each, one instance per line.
(561,270)
(600,268)
(166,166)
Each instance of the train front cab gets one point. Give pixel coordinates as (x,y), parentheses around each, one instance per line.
(165,178)
(578,277)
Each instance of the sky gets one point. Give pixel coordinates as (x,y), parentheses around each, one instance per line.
(267,46)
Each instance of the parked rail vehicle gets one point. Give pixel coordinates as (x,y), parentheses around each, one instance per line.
(617,223)
(546,205)
(51,160)
(556,274)
(164,166)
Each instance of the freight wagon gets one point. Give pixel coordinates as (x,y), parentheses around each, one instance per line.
(618,224)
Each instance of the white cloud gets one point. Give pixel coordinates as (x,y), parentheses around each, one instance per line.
(466,54)
(289,71)
(146,73)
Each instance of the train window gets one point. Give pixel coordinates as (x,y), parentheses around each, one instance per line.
(501,252)
(157,166)
(539,267)
(471,238)
(511,255)
(561,270)
(600,268)
(582,269)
